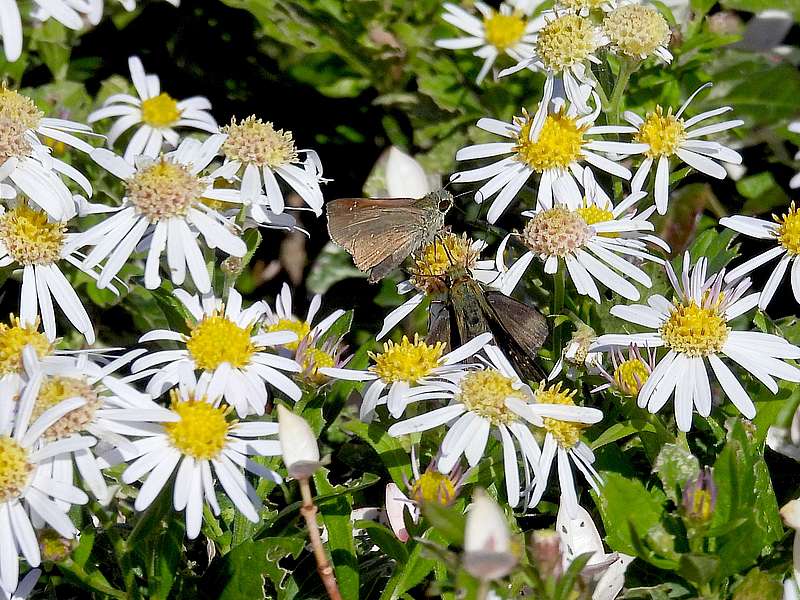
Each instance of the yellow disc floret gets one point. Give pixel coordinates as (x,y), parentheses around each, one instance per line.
(29,237)
(160,111)
(438,257)
(14,338)
(301,328)
(555,232)
(504,31)
(695,330)
(202,430)
(566,433)
(406,361)
(566,41)
(163,190)
(558,145)
(636,30)
(18,114)
(433,486)
(789,229)
(630,376)
(256,142)
(216,340)
(485,393)
(57,389)
(15,470)
(663,133)
(312,360)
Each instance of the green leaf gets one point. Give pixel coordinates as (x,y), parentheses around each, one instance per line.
(449,521)
(675,465)
(762,192)
(698,568)
(622,430)
(411,573)
(758,585)
(392,454)
(385,539)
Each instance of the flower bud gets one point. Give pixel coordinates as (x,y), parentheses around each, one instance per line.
(790,513)
(487,539)
(298,444)
(405,177)
(700,497)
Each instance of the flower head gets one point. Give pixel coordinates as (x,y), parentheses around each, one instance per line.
(638,31)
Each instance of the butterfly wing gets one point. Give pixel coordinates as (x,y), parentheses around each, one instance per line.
(524,323)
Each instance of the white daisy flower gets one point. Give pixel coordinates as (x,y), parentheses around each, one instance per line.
(509,30)
(26,161)
(25,488)
(590,237)
(40,247)
(694,327)
(660,136)
(556,153)
(563,50)
(224,344)
(258,153)
(431,264)
(164,209)
(785,230)
(193,435)
(408,372)
(157,113)
(637,31)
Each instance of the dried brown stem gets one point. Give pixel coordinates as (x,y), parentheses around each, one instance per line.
(324,567)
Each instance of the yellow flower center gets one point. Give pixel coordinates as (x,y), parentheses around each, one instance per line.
(259,143)
(163,190)
(437,258)
(314,359)
(591,214)
(29,237)
(216,340)
(406,361)
(565,42)
(559,143)
(14,338)
(202,430)
(18,114)
(664,133)
(160,111)
(15,470)
(636,30)
(433,486)
(53,547)
(57,389)
(694,330)
(301,328)
(630,376)
(566,433)
(503,31)
(485,392)
(789,230)
(555,232)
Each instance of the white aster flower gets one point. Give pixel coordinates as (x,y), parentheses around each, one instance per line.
(590,237)
(257,152)
(157,113)
(408,372)
(164,209)
(552,148)
(193,435)
(662,135)
(785,230)
(224,344)
(26,161)
(509,30)
(637,31)
(694,327)
(26,488)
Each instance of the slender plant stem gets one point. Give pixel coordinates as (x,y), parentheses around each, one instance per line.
(324,568)
(558,306)
(483,590)
(626,69)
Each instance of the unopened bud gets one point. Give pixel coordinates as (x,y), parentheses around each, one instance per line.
(487,539)
(298,444)
(700,497)
(53,547)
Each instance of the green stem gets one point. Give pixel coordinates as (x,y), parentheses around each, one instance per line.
(558,306)
(120,547)
(626,69)
(483,590)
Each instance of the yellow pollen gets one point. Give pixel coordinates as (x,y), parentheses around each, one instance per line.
(592,214)
(202,430)
(256,142)
(160,111)
(301,328)
(19,109)
(664,133)
(216,340)
(406,361)
(630,376)
(163,190)
(503,31)
(789,229)
(29,237)
(694,330)
(636,30)
(57,389)
(559,143)
(15,470)
(555,232)
(566,433)
(438,257)
(565,42)
(433,486)
(314,359)
(14,338)
(485,393)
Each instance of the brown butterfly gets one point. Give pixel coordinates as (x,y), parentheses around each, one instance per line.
(381,233)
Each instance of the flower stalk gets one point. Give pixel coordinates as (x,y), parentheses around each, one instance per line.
(309,512)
